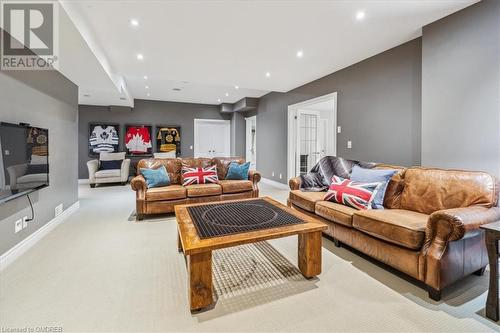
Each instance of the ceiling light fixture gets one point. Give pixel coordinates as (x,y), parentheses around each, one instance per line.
(227,94)
(140,56)
(218,100)
(268,74)
(148,94)
(134,23)
(147,87)
(145,77)
(300,54)
(360,15)
(236,87)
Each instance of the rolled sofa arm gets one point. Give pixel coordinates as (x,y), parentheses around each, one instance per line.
(93,166)
(125,170)
(140,187)
(138,184)
(254,176)
(452,224)
(294,183)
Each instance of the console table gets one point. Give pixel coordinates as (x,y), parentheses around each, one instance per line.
(492,239)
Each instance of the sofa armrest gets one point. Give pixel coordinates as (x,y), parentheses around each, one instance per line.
(254,176)
(138,184)
(125,170)
(452,224)
(294,183)
(93,166)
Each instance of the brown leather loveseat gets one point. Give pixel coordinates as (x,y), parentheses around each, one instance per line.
(429,229)
(160,200)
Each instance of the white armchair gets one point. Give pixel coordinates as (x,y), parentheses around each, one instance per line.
(97,176)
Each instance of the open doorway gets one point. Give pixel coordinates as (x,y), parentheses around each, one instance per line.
(251,141)
(312,133)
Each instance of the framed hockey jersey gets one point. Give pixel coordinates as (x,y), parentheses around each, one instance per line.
(103,138)
(168,139)
(138,139)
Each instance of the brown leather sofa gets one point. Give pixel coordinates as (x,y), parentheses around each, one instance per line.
(429,229)
(160,200)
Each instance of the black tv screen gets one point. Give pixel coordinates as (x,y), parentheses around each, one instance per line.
(24,160)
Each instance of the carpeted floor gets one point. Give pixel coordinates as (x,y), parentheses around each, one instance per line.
(102,272)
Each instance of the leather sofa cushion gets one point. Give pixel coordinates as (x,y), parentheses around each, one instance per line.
(402,227)
(429,190)
(223,164)
(203,190)
(201,162)
(335,212)
(171,192)
(395,187)
(173,166)
(306,200)
(236,186)
(108,173)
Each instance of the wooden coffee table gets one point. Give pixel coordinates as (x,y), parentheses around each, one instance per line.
(198,251)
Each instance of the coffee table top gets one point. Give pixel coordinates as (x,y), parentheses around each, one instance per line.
(192,243)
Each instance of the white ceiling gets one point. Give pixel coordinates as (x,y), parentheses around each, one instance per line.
(205,48)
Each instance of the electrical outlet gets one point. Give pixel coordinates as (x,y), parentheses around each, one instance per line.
(272,174)
(281,176)
(18,226)
(25,222)
(58,210)
(191,147)
(339,129)
(349,144)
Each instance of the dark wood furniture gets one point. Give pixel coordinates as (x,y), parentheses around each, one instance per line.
(492,241)
(198,251)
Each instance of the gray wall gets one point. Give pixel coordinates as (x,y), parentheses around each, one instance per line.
(461,89)
(150,113)
(45,99)
(379,109)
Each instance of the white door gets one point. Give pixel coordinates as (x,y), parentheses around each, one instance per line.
(212,138)
(309,140)
(251,141)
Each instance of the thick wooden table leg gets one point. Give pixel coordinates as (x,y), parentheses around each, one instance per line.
(179,243)
(310,254)
(200,280)
(492,311)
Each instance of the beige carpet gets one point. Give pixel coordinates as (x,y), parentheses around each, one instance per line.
(101,272)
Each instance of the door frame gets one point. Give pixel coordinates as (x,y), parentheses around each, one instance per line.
(292,137)
(196,138)
(248,137)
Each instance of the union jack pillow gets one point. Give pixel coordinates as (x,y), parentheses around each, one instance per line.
(353,194)
(192,176)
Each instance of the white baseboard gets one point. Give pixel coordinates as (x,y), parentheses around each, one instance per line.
(274,183)
(10,256)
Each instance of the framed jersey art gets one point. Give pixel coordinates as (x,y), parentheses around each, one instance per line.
(138,139)
(168,139)
(103,138)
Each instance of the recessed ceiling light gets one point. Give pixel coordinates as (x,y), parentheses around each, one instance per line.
(218,100)
(268,74)
(300,54)
(147,87)
(227,94)
(134,22)
(140,56)
(148,94)
(360,15)
(236,87)
(145,77)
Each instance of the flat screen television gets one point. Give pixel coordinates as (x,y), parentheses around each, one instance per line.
(24,160)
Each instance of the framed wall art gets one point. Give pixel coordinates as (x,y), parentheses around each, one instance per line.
(168,139)
(103,138)
(138,139)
